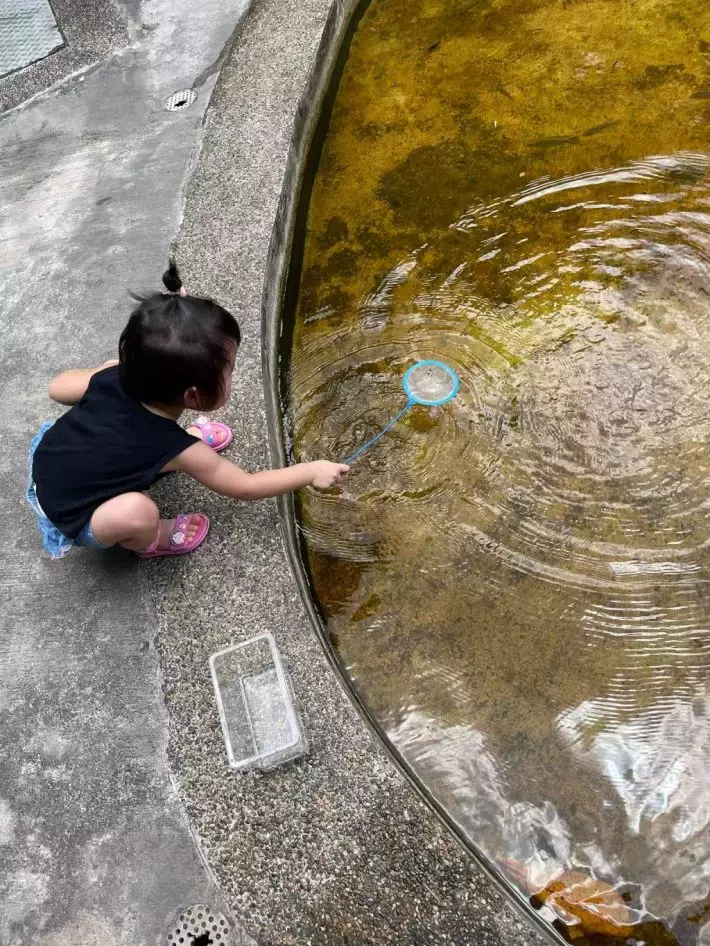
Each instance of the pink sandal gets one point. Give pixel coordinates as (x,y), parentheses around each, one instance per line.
(215,434)
(179,543)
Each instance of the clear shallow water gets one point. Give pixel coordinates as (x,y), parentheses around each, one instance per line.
(518,581)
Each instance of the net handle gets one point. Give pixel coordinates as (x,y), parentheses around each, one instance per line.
(366,446)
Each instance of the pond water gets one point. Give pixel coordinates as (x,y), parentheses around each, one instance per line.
(517,582)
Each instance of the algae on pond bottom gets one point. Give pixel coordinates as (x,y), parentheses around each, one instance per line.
(517,581)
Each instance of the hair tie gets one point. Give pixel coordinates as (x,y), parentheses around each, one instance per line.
(182,291)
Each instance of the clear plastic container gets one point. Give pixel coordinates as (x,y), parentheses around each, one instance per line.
(259,721)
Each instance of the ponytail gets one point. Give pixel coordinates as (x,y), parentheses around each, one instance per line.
(172,281)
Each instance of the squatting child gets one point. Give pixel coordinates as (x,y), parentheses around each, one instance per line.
(89,470)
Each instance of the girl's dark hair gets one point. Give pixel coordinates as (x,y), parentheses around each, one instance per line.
(174,342)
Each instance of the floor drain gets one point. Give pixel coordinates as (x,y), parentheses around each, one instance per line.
(200,925)
(179,100)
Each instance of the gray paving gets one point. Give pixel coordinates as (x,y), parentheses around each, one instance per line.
(28,31)
(90,29)
(334,849)
(95,848)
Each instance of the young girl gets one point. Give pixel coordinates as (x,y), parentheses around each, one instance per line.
(89,470)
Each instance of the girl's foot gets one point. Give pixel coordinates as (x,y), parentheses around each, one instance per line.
(212,432)
(178,536)
(166,527)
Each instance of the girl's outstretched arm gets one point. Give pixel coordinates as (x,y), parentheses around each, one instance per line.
(69,387)
(218,474)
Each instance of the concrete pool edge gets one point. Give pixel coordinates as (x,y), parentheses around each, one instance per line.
(334,849)
(310,124)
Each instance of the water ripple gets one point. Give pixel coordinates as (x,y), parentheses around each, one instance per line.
(566,486)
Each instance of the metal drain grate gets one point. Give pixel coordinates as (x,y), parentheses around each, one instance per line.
(28,32)
(200,925)
(179,100)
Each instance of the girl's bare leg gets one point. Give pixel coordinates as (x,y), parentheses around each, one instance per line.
(133,521)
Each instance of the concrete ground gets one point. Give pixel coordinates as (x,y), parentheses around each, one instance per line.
(91,31)
(95,843)
(95,847)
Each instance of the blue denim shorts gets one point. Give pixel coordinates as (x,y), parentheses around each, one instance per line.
(56,544)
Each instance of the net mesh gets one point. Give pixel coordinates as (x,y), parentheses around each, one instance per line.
(430,384)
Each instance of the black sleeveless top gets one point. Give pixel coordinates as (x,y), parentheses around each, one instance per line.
(105,445)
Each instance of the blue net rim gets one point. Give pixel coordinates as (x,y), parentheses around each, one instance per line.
(415,398)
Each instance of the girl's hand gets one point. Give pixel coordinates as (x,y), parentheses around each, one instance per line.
(326,474)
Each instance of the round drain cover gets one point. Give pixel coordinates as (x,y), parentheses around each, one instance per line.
(179,100)
(200,925)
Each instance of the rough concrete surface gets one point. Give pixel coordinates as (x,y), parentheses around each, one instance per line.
(91,31)
(336,848)
(95,849)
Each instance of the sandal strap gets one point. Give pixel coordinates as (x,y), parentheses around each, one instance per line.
(178,536)
(153,545)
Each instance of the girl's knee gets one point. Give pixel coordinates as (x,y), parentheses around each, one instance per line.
(131,517)
(139,511)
